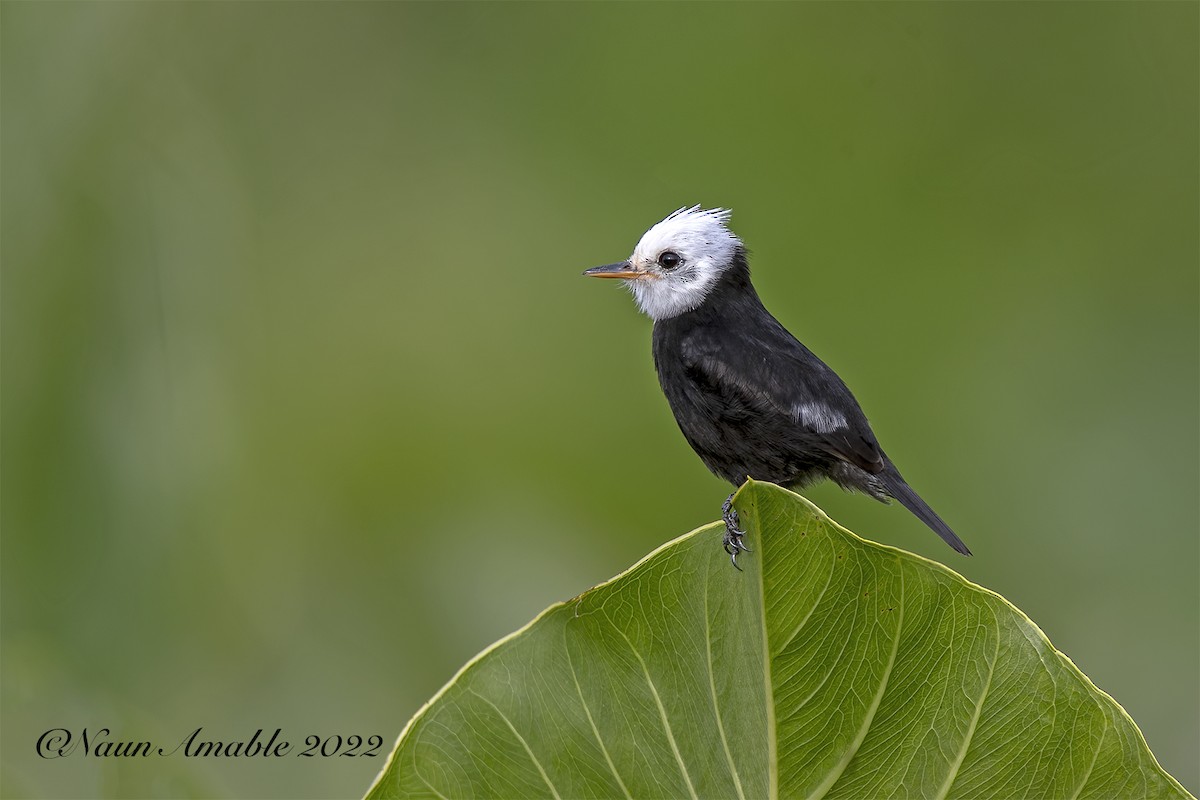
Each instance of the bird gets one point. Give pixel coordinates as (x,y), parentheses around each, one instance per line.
(750,399)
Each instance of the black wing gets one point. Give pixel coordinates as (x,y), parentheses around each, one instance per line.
(765,363)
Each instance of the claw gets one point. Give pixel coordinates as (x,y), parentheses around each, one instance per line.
(732,543)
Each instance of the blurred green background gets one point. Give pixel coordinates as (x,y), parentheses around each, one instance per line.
(305,401)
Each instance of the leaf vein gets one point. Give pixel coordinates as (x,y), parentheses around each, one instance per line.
(595,731)
(417,771)
(852,750)
(817,602)
(662,714)
(520,739)
(962,753)
(712,687)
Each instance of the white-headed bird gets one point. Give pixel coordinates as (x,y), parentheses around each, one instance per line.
(751,400)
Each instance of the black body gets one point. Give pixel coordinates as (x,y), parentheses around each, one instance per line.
(735,379)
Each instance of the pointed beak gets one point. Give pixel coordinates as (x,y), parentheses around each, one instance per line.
(622,270)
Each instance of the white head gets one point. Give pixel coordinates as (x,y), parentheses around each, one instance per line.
(677,262)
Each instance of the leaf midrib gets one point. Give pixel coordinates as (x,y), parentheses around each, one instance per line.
(768,681)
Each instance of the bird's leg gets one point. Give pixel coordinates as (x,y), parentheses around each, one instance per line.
(733,532)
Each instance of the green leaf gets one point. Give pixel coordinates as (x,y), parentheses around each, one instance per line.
(832,667)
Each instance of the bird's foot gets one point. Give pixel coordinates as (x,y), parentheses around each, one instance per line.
(733,532)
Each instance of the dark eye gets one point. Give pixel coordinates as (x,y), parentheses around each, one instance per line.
(669,260)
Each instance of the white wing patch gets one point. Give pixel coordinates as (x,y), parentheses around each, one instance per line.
(818,417)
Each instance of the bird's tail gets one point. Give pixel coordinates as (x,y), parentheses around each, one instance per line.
(898,488)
